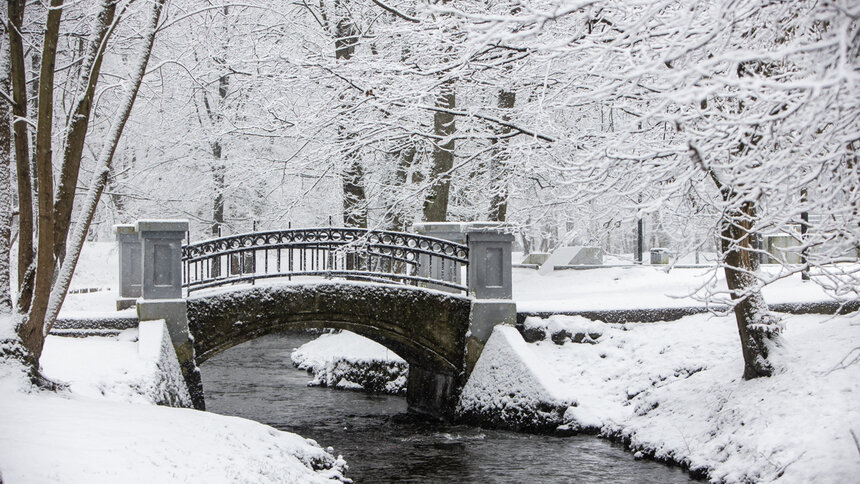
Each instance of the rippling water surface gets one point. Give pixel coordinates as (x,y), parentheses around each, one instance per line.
(382,443)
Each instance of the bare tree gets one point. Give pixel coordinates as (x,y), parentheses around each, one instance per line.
(53,274)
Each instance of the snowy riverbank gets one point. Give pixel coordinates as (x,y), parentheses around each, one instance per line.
(673,392)
(106,428)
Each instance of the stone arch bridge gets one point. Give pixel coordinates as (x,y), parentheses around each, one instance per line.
(432,297)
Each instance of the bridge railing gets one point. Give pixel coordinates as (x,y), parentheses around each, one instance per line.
(352,253)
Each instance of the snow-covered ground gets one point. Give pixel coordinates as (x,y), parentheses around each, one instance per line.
(349,361)
(48,438)
(106,428)
(637,287)
(673,390)
(138,366)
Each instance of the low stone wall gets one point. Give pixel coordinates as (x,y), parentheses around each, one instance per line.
(674,314)
(109,324)
(167,387)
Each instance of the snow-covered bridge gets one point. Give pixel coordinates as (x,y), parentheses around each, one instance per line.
(432,297)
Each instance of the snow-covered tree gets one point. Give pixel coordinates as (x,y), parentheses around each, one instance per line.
(749,109)
(45,271)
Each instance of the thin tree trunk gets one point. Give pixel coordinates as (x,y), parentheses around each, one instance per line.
(22,149)
(405,160)
(76,131)
(804,228)
(758,328)
(218,182)
(436,203)
(5,186)
(219,168)
(498,165)
(354,196)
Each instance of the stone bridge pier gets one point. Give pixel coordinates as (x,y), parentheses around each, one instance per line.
(439,331)
(150,267)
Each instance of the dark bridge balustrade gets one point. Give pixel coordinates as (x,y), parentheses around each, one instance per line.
(357,254)
(374,283)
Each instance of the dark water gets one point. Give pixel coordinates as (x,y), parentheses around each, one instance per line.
(381,443)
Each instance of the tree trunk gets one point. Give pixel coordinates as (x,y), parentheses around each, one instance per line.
(218,187)
(102,171)
(219,167)
(22,149)
(76,131)
(5,187)
(354,196)
(436,202)
(398,218)
(31,331)
(758,328)
(499,164)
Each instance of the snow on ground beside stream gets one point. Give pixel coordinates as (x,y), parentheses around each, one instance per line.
(106,428)
(137,366)
(349,361)
(674,391)
(47,438)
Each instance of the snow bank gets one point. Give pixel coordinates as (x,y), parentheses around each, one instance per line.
(48,437)
(673,391)
(352,362)
(510,387)
(138,366)
(104,428)
(794,427)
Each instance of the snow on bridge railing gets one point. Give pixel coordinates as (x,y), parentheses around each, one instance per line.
(353,253)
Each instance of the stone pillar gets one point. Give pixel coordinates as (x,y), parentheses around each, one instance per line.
(130,276)
(490,264)
(490,284)
(161,244)
(161,291)
(432,393)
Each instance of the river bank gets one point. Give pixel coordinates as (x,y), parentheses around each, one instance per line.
(672,392)
(106,426)
(384,443)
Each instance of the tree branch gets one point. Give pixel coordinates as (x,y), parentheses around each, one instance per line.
(396,12)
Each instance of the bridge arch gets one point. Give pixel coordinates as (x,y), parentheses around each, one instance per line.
(427,328)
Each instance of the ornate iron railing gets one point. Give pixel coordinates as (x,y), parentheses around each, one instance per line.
(351,253)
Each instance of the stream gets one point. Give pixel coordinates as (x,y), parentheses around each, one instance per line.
(382,443)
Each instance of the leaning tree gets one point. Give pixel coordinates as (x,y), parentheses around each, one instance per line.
(749,109)
(79,37)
